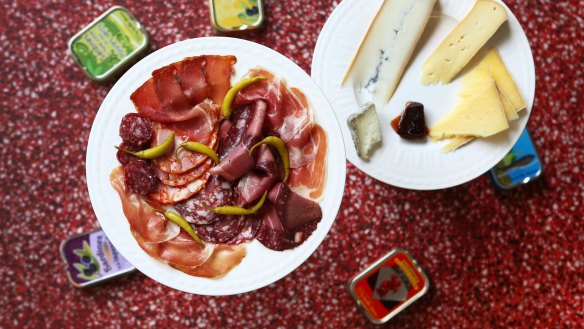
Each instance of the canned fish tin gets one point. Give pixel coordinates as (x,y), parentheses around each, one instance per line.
(388,286)
(519,167)
(109,44)
(91,258)
(236,15)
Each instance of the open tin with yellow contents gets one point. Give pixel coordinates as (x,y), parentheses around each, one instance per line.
(236,15)
(108,45)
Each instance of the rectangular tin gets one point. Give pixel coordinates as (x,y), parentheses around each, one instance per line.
(90,258)
(388,286)
(108,45)
(236,15)
(519,167)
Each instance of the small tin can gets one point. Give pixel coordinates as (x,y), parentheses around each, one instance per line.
(91,258)
(388,286)
(236,15)
(110,44)
(519,167)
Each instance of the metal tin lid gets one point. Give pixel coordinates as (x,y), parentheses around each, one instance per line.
(109,44)
(389,285)
(234,16)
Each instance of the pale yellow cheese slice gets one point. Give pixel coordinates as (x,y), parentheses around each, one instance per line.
(464,42)
(504,81)
(456,143)
(480,114)
(387,46)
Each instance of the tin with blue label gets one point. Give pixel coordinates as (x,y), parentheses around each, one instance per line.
(519,167)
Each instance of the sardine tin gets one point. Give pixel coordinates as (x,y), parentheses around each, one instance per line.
(91,258)
(389,285)
(519,167)
(236,15)
(109,44)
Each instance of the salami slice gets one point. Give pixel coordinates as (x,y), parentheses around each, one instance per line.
(184,179)
(165,194)
(218,192)
(135,130)
(140,177)
(222,230)
(251,227)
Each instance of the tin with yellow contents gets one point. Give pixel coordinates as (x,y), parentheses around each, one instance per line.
(236,15)
(388,286)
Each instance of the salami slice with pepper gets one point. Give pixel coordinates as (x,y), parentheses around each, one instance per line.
(251,227)
(218,192)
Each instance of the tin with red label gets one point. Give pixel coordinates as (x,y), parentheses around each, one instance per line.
(389,285)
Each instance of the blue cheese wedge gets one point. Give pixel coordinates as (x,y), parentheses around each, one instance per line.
(365,130)
(387,47)
(464,42)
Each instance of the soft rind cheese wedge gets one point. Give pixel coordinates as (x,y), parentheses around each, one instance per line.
(365,130)
(387,47)
(464,42)
(479,115)
(504,80)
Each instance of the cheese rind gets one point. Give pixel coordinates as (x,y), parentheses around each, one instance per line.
(365,130)
(480,112)
(387,47)
(464,42)
(456,143)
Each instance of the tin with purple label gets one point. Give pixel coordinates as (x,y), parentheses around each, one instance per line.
(91,258)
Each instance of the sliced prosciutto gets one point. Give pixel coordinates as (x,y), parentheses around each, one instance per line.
(309,180)
(184,251)
(174,91)
(202,129)
(143,215)
(223,260)
(288,115)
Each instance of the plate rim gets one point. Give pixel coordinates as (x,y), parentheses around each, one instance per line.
(317,73)
(333,201)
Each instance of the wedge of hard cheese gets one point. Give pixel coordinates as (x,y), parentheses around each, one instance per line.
(365,130)
(507,87)
(456,143)
(480,112)
(386,48)
(464,42)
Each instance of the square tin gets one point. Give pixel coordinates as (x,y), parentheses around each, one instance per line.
(236,15)
(519,167)
(90,258)
(109,44)
(388,286)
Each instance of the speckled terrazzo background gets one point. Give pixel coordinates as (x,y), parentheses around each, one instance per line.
(495,259)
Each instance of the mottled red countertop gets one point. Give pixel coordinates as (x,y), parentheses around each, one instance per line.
(495,259)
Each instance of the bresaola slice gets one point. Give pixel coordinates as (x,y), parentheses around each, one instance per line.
(274,236)
(293,210)
(253,184)
(236,161)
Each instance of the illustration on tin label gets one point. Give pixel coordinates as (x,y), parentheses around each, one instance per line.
(390,286)
(519,163)
(88,267)
(236,13)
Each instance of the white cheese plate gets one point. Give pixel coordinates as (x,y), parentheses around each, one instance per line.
(261,266)
(419,165)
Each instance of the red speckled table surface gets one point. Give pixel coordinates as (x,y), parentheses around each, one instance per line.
(495,259)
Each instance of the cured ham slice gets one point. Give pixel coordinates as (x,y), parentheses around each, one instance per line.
(246,131)
(150,248)
(165,194)
(288,115)
(142,215)
(223,260)
(309,180)
(184,179)
(202,129)
(218,73)
(174,91)
(218,192)
(184,251)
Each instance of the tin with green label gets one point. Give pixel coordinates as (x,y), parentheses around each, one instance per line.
(108,45)
(236,15)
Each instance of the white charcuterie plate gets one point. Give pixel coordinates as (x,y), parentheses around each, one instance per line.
(261,266)
(419,165)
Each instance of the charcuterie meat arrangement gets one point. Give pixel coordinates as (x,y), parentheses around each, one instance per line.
(207,166)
